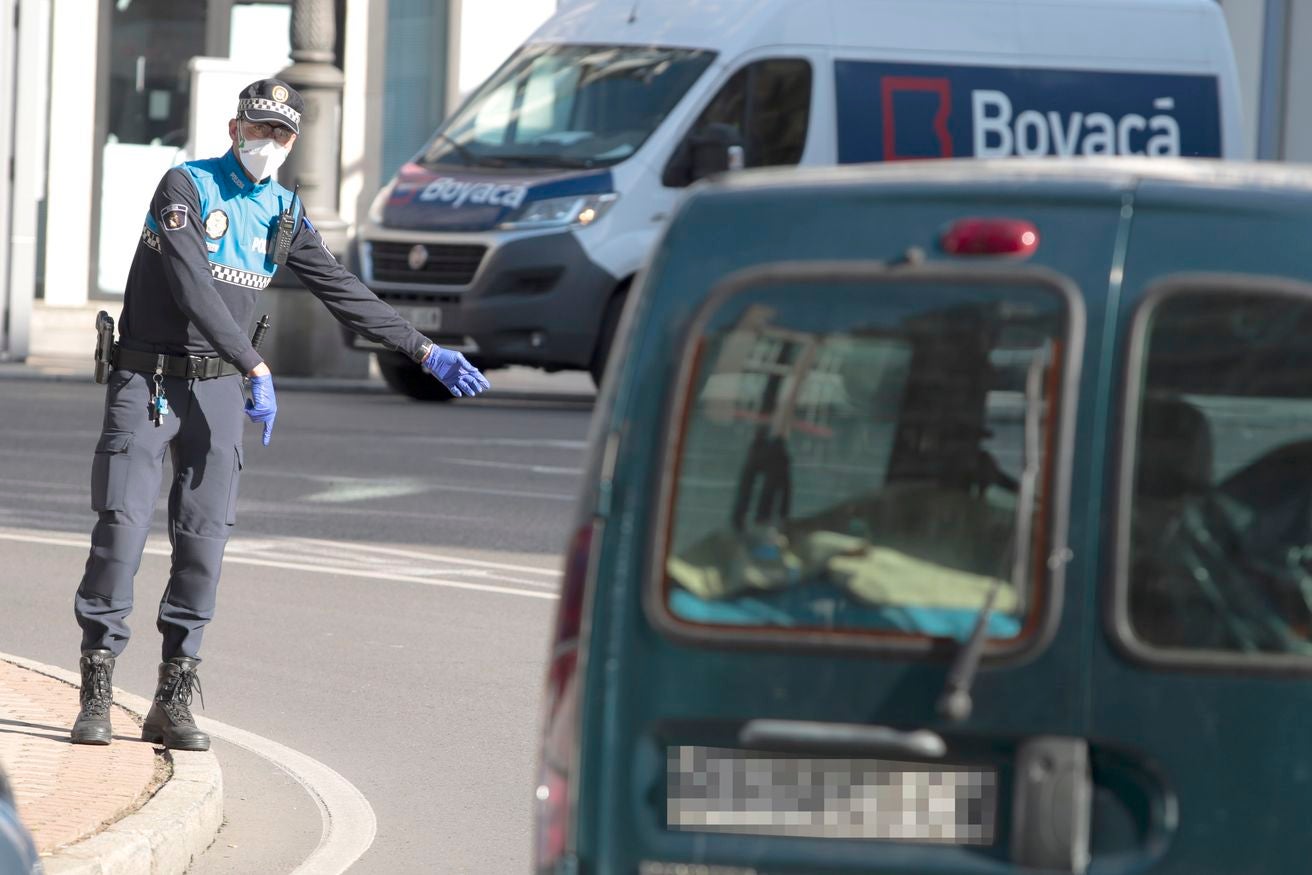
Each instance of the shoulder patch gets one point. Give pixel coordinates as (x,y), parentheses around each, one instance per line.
(174,217)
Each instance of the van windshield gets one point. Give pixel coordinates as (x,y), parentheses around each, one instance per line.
(868,458)
(568,106)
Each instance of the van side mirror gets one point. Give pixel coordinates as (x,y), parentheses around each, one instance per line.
(715,148)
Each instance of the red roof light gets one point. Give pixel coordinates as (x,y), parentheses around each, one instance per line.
(990,236)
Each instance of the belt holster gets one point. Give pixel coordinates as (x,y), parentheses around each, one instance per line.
(104,346)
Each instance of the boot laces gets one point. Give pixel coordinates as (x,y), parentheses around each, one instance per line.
(97,693)
(176,695)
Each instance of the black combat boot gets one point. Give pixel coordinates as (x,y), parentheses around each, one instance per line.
(170,722)
(92,726)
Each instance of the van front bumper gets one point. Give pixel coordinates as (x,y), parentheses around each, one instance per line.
(532,299)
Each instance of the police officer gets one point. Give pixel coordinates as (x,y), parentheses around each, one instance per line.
(209,245)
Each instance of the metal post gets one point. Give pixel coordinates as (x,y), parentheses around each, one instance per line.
(1275,70)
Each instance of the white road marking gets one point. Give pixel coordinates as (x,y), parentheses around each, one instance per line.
(532,443)
(503,493)
(431,485)
(515,466)
(435,557)
(349,823)
(341,492)
(238,557)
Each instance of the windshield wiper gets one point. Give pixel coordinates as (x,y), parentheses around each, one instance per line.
(468,155)
(955,703)
(550,161)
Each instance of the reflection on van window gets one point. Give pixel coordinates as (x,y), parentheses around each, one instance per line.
(866,458)
(568,106)
(1221,514)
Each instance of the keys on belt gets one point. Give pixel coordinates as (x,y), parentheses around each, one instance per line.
(159,405)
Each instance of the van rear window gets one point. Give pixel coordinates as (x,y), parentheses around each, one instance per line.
(867,458)
(1217,541)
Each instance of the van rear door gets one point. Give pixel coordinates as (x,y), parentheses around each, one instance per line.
(1200,690)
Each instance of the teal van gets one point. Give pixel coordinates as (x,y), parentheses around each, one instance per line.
(949,517)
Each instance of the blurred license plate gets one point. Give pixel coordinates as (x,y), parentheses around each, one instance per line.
(732,791)
(422,318)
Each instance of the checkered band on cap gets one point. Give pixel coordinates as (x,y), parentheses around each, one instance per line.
(263,104)
(225,274)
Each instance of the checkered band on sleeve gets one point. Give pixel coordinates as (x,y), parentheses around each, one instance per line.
(263,103)
(150,238)
(224,274)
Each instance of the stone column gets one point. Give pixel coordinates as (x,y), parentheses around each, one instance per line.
(305,340)
(315,162)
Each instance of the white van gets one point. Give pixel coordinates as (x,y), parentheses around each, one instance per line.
(514,234)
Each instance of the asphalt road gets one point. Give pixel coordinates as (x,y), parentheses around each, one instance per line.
(384,607)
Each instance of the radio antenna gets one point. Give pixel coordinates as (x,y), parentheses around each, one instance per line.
(633,13)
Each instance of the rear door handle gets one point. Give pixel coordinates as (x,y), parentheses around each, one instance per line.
(825,738)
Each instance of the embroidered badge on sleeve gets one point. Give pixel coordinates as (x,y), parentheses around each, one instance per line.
(174,217)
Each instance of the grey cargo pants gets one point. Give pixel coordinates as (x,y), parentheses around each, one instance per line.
(203,432)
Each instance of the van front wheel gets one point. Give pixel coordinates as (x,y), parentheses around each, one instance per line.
(411,380)
(609,323)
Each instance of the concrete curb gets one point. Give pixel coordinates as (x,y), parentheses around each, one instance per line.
(165,834)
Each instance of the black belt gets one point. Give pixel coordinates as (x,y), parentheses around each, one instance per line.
(191,367)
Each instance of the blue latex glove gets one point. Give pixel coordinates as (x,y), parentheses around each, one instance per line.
(262,406)
(455,372)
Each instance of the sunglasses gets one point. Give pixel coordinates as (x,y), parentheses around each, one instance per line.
(266,131)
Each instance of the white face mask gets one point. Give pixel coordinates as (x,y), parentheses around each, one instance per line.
(261,158)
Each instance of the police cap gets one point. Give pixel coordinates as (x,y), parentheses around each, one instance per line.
(272,101)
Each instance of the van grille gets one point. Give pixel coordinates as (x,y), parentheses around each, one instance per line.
(446,265)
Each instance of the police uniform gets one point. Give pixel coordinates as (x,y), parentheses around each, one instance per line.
(204,255)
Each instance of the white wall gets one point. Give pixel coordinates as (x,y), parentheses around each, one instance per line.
(364,69)
(73,74)
(29,186)
(8,48)
(490,30)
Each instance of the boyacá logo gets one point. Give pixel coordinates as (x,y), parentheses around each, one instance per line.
(894,112)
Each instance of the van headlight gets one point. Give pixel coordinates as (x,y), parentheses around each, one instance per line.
(380,203)
(558,212)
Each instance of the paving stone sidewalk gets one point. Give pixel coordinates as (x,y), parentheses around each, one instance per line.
(67,791)
(118,809)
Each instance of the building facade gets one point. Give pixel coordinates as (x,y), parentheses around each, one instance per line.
(102,96)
